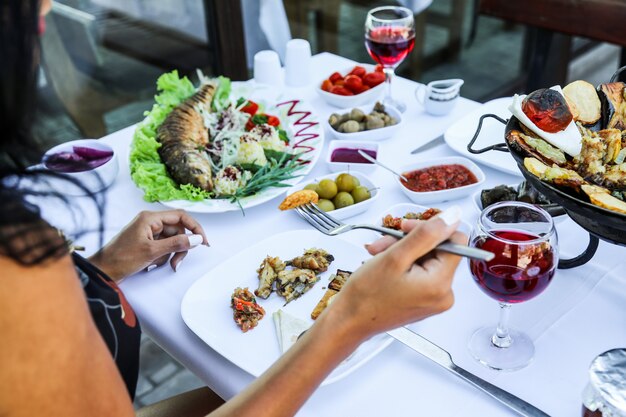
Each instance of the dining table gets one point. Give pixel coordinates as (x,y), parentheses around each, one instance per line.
(580,315)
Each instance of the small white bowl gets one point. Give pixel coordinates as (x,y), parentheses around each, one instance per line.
(427,197)
(351,167)
(343,102)
(374,134)
(96,179)
(479,207)
(353,210)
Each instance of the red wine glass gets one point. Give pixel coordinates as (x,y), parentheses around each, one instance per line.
(523,238)
(389,38)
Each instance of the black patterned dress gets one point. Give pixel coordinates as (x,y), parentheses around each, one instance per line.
(114,318)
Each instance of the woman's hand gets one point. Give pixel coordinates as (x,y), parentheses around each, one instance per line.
(391,290)
(150,239)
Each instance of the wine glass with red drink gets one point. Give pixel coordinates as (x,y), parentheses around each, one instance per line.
(389,38)
(523,238)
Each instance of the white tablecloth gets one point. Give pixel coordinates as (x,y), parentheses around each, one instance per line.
(577,317)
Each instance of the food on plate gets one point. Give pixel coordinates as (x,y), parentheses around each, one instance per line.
(547,109)
(356,81)
(288,329)
(392,222)
(268,272)
(582,97)
(184,138)
(299,198)
(292,283)
(293,278)
(351,155)
(337,281)
(344,191)
(438,177)
(358,121)
(524,192)
(317,260)
(536,147)
(246,312)
(80,159)
(203,143)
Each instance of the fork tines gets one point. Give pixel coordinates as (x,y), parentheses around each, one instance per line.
(317,218)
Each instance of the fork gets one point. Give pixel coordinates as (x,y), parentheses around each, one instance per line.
(330,226)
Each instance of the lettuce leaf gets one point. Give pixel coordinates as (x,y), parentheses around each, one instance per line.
(146,168)
(222,94)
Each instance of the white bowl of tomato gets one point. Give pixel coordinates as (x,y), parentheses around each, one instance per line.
(353,86)
(440,179)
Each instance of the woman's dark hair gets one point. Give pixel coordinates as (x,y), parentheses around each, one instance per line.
(24,236)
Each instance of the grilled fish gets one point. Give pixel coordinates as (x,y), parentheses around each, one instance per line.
(184,137)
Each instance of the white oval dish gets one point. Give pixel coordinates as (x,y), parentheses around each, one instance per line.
(343,102)
(374,134)
(442,195)
(351,167)
(95,180)
(346,212)
(479,208)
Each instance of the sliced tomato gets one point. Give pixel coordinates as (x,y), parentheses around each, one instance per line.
(273,120)
(334,77)
(342,91)
(327,85)
(251,108)
(379,68)
(358,71)
(353,83)
(372,79)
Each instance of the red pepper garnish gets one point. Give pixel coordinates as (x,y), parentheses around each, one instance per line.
(251,108)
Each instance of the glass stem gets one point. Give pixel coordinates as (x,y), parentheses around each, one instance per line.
(501,337)
(389,73)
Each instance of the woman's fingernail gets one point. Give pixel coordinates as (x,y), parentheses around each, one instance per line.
(451,215)
(150,267)
(178,265)
(194,240)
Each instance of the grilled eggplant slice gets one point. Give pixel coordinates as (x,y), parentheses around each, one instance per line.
(536,147)
(613,105)
(183,139)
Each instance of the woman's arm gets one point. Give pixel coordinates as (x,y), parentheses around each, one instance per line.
(387,292)
(53,361)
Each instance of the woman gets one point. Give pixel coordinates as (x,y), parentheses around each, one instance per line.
(56,357)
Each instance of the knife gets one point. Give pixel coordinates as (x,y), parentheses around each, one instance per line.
(443,358)
(428,145)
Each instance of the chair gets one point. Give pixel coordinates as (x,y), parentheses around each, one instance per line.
(549,50)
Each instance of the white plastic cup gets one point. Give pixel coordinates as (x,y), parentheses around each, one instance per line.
(298,63)
(267,68)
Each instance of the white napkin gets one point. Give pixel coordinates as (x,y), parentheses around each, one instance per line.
(288,328)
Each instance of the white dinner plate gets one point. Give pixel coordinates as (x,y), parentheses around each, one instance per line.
(460,133)
(303,128)
(206,305)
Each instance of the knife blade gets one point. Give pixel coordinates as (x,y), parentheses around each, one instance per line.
(440,356)
(428,145)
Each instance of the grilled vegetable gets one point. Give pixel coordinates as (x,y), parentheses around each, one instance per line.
(535,147)
(614,105)
(183,139)
(601,197)
(584,101)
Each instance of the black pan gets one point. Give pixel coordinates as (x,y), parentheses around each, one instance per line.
(605,224)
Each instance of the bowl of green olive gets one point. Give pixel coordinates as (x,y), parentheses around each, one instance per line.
(342,194)
(371,122)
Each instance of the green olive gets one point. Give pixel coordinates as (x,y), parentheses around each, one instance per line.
(346,182)
(327,189)
(325,205)
(361,193)
(343,199)
(314,187)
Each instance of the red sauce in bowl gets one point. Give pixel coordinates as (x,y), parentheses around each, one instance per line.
(439,177)
(351,155)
